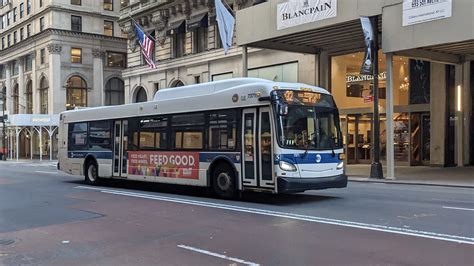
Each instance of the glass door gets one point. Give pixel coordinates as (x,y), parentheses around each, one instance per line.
(249,147)
(119,163)
(266,177)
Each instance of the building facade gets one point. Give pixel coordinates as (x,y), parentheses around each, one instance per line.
(423,65)
(57,55)
(426,76)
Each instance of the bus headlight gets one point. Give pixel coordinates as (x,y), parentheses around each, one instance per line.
(340,165)
(286,166)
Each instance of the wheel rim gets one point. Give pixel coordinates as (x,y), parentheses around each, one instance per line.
(91,173)
(224,181)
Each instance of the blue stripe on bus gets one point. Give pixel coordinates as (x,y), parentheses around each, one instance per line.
(83,154)
(207,157)
(309,158)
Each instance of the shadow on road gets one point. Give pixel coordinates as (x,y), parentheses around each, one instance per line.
(191,191)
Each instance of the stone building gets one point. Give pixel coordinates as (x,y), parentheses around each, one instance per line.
(57,55)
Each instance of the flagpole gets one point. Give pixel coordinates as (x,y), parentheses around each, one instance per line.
(148,35)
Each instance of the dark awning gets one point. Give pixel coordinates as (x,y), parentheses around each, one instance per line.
(198,21)
(175,27)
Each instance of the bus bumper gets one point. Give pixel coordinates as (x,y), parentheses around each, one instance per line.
(292,185)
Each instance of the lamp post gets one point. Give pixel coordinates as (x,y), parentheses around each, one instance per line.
(376,167)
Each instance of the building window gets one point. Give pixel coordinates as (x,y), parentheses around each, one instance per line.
(14,69)
(108,28)
(14,37)
(109,5)
(40,3)
(9,17)
(22,10)
(76,23)
(3,22)
(43,90)
(42,56)
(76,55)
(179,40)
(116,59)
(9,40)
(28,7)
(21,34)
(3,43)
(29,97)
(14,14)
(114,92)
(16,99)
(140,95)
(200,40)
(28,30)
(76,2)
(28,63)
(76,88)
(279,73)
(41,23)
(124,3)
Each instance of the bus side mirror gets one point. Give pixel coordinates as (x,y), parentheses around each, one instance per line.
(282,109)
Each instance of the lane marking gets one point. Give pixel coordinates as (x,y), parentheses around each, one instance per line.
(307,218)
(458,208)
(218,255)
(47,172)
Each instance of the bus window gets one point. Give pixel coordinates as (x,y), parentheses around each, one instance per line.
(100,136)
(188,131)
(153,133)
(77,137)
(222,130)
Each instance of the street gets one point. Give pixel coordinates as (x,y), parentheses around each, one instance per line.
(51,218)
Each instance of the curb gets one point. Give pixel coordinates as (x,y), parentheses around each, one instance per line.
(397,182)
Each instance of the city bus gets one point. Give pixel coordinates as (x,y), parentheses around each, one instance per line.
(232,135)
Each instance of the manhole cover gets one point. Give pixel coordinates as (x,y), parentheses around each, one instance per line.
(6,242)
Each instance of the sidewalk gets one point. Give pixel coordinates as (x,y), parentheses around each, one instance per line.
(423,175)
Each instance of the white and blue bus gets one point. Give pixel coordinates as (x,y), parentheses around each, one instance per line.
(232,135)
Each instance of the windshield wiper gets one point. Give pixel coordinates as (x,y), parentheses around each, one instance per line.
(332,146)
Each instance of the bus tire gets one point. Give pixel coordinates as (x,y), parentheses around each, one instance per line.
(91,173)
(224,181)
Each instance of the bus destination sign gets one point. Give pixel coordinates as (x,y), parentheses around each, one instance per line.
(303,97)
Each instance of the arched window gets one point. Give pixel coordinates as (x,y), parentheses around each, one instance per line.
(16,99)
(177,83)
(76,88)
(29,97)
(114,92)
(140,96)
(43,90)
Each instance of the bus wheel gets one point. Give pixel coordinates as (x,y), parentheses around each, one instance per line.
(223,181)
(92,178)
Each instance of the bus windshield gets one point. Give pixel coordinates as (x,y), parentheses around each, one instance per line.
(308,127)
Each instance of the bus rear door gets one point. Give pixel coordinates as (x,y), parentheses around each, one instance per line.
(120,148)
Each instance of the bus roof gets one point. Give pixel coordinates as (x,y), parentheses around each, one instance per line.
(230,93)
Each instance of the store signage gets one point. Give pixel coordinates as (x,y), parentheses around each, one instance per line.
(164,164)
(367,67)
(419,11)
(361,78)
(297,12)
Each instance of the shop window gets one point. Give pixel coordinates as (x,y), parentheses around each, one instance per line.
(279,73)
(419,82)
(353,90)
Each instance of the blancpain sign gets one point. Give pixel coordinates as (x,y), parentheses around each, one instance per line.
(419,11)
(297,12)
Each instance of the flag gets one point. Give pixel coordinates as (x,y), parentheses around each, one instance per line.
(147,45)
(225,21)
(367,66)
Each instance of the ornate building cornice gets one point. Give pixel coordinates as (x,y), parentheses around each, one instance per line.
(54,48)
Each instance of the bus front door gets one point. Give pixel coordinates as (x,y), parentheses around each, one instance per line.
(120,148)
(257,150)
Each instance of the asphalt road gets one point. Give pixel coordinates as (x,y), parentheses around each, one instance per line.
(50,218)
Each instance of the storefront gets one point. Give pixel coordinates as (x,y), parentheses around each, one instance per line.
(426,71)
(32,137)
